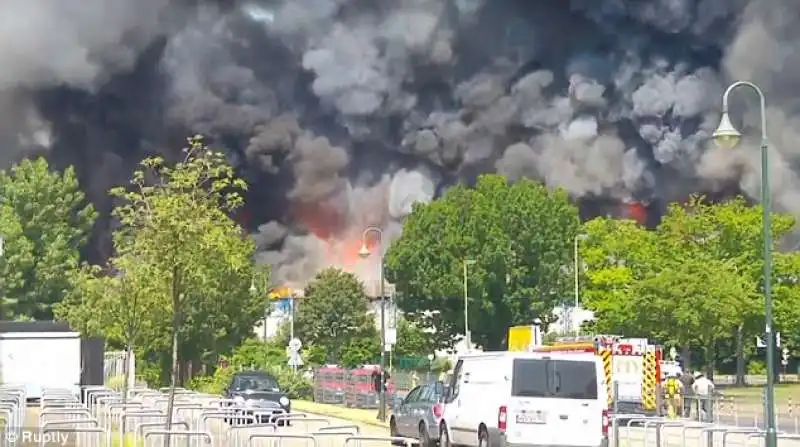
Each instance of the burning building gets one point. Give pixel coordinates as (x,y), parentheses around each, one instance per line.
(342,113)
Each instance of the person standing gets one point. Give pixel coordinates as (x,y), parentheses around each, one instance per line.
(687,380)
(673,391)
(703,388)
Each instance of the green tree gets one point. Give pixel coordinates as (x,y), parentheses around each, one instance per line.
(176,220)
(787,299)
(125,306)
(521,236)
(16,262)
(412,341)
(333,314)
(694,281)
(56,219)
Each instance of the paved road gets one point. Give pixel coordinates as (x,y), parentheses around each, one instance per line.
(224,436)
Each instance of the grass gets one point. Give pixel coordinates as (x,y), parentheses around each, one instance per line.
(783,393)
(351,414)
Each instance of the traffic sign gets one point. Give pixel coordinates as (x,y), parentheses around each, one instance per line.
(295,345)
(761,342)
(785,356)
(295,360)
(391,336)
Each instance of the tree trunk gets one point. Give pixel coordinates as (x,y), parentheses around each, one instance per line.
(127,374)
(686,356)
(710,358)
(740,365)
(176,314)
(173,380)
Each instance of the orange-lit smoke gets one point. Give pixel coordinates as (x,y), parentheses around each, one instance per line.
(342,241)
(636,211)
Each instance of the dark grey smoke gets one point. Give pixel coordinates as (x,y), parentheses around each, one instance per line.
(343,113)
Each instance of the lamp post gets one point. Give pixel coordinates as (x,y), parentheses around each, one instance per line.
(578,238)
(364,252)
(726,136)
(467,337)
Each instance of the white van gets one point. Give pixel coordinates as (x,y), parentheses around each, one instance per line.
(526,399)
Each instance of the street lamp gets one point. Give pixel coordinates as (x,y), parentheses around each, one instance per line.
(726,136)
(578,238)
(467,337)
(364,252)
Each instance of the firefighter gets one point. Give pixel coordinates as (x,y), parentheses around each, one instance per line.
(673,391)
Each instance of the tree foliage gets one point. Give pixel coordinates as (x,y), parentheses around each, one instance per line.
(521,236)
(693,281)
(123,303)
(175,221)
(45,220)
(333,315)
(412,341)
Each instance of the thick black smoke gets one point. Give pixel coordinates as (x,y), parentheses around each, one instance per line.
(342,113)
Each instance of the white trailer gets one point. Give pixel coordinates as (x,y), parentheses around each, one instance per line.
(36,360)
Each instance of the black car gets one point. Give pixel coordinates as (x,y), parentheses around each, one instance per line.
(259,394)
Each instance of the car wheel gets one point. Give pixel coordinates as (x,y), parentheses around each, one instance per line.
(393,431)
(444,437)
(483,437)
(424,437)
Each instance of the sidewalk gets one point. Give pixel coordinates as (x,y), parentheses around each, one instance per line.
(368,417)
(673,437)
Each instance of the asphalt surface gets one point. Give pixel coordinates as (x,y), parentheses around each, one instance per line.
(784,424)
(224,437)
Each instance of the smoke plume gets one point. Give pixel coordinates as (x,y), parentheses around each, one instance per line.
(343,113)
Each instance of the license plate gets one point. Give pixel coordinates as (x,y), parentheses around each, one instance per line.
(530,419)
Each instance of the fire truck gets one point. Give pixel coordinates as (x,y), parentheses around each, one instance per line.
(634,364)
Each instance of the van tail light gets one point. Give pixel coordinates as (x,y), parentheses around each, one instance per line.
(502,418)
(606,422)
(438,411)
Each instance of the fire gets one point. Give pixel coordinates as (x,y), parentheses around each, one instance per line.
(636,211)
(343,244)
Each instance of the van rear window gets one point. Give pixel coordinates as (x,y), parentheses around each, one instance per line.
(565,379)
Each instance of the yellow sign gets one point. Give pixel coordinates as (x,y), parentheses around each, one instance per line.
(520,338)
(280,293)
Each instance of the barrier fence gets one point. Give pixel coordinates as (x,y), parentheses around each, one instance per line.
(102,417)
(355,388)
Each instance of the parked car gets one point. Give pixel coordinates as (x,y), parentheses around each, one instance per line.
(419,413)
(260,395)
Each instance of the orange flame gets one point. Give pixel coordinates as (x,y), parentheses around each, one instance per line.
(636,211)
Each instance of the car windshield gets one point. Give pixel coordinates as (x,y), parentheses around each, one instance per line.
(255,383)
(566,379)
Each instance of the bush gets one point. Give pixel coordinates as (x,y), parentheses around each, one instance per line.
(756,368)
(213,384)
(252,355)
(440,365)
(292,383)
(116,382)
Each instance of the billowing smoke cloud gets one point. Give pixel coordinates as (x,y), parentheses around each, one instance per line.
(343,113)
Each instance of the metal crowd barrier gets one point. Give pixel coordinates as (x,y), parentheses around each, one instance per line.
(12,413)
(656,431)
(101,417)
